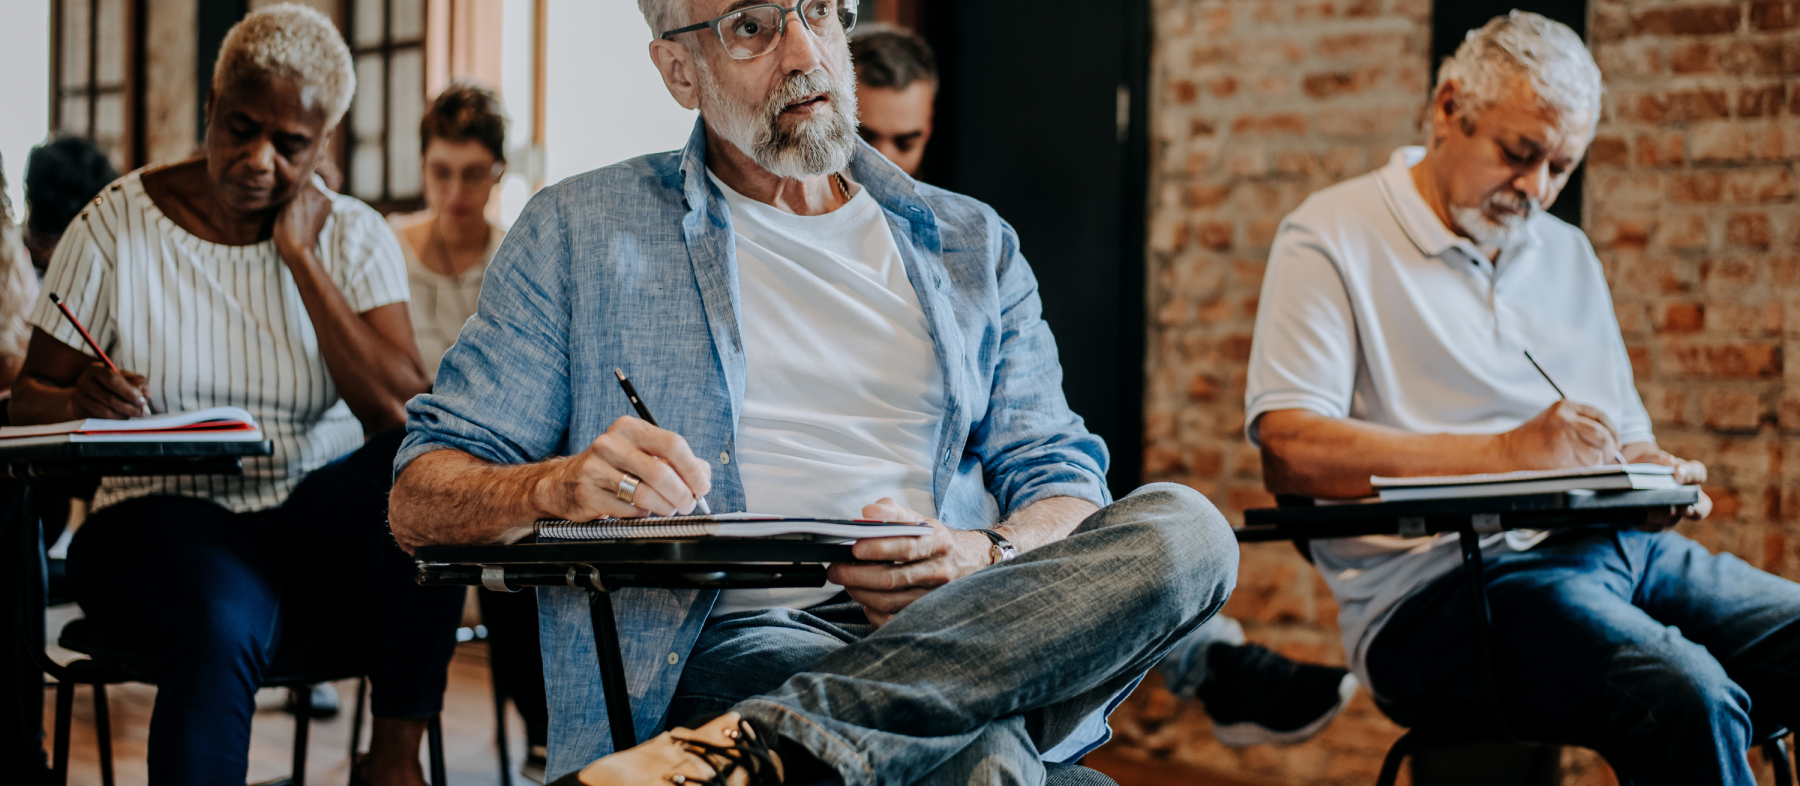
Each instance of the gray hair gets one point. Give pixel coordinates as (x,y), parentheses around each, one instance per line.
(292,41)
(1523,44)
(662,15)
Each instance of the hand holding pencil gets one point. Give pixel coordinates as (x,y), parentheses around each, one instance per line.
(103,390)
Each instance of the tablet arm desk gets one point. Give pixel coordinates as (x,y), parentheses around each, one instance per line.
(601,566)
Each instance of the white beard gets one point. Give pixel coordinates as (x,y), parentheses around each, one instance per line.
(1490,234)
(812,147)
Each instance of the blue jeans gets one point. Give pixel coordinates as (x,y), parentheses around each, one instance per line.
(1666,659)
(972,681)
(218,591)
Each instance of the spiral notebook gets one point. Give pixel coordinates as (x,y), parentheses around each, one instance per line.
(728,525)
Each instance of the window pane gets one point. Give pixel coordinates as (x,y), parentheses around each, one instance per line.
(365,108)
(109,127)
(368,21)
(112,42)
(74,34)
(74,116)
(407,107)
(365,171)
(409,20)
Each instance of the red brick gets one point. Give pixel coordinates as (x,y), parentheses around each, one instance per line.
(1751,57)
(1696,187)
(1775,14)
(1687,233)
(1719,142)
(1762,184)
(1723,276)
(1265,125)
(1608,151)
(1364,46)
(1360,122)
(1731,410)
(1748,229)
(1694,58)
(1184,91)
(1687,20)
(1723,359)
(1620,233)
(1215,235)
(1362,8)
(1223,87)
(1659,151)
(1158,460)
(1761,101)
(1682,318)
(1696,105)
(1200,127)
(1202,197)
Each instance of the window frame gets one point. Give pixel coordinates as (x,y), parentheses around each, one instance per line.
(128,151)
(386,49)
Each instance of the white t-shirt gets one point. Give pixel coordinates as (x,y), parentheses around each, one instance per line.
(440,304)
(843,394)
(215,325)
(1373,310)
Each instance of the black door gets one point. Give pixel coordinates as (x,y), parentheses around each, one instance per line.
(1041,113)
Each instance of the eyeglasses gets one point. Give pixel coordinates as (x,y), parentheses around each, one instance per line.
(755,30)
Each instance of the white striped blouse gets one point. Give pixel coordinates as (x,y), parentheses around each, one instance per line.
(216,325)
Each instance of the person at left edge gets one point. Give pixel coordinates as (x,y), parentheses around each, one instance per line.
(235,278)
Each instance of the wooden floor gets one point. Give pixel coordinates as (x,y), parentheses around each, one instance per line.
(469,752)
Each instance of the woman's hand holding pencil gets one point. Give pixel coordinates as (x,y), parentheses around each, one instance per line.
(102,390)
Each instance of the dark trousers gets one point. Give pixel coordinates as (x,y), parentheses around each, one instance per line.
(1665,658)
(219,591)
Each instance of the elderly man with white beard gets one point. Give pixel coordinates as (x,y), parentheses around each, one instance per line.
(820,335)
(1391,335)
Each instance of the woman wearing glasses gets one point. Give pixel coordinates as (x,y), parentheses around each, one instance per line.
(448,245)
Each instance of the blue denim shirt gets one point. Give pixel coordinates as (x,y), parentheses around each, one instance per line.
(634,266)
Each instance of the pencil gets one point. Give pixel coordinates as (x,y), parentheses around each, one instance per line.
(643,410)
(92,344)
(1617,456)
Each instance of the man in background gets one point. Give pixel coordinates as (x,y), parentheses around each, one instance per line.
(896,86)
(61,177)
(1253,695)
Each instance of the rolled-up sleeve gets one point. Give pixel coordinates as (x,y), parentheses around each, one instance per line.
(1303,355)
(1030,444)
(502,393)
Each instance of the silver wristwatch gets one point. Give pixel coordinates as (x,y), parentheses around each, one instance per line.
(1003,550)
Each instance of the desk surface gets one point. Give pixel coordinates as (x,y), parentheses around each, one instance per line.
(129,458)
(716,563)
(1525,511)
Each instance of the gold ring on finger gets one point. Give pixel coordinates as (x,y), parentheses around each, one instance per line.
(628,486)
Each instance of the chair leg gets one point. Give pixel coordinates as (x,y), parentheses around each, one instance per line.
(435,730)
(65,707)
(1775,751)
(1390,766)
(362,695)
(499,718)
(302,727)
(103,732)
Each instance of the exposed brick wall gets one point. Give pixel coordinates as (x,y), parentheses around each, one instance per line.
(1257,104)
(1690,202)
(1691,206)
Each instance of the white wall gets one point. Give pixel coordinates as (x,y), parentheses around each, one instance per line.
(24,87)
(604,101)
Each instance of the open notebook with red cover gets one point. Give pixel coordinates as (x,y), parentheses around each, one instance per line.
(218,424)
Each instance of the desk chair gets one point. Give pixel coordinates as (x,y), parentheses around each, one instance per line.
(1427,730)
(116,655)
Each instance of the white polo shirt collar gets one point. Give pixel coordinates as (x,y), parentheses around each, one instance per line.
(1421,223)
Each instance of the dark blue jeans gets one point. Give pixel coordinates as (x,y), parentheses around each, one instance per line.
(218,591)
(1668,660)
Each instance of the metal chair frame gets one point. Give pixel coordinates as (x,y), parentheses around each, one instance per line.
(98,671)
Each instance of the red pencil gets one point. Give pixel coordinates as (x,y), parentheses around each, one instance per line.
(84,334)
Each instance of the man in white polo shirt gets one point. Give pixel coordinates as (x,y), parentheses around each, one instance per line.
(1395,315)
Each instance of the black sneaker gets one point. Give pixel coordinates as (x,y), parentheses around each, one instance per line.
(1256,697)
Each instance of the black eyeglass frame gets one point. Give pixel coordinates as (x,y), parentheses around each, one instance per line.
(846,16)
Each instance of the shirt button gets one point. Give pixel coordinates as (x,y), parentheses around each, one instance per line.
(724,457)
(674,659)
